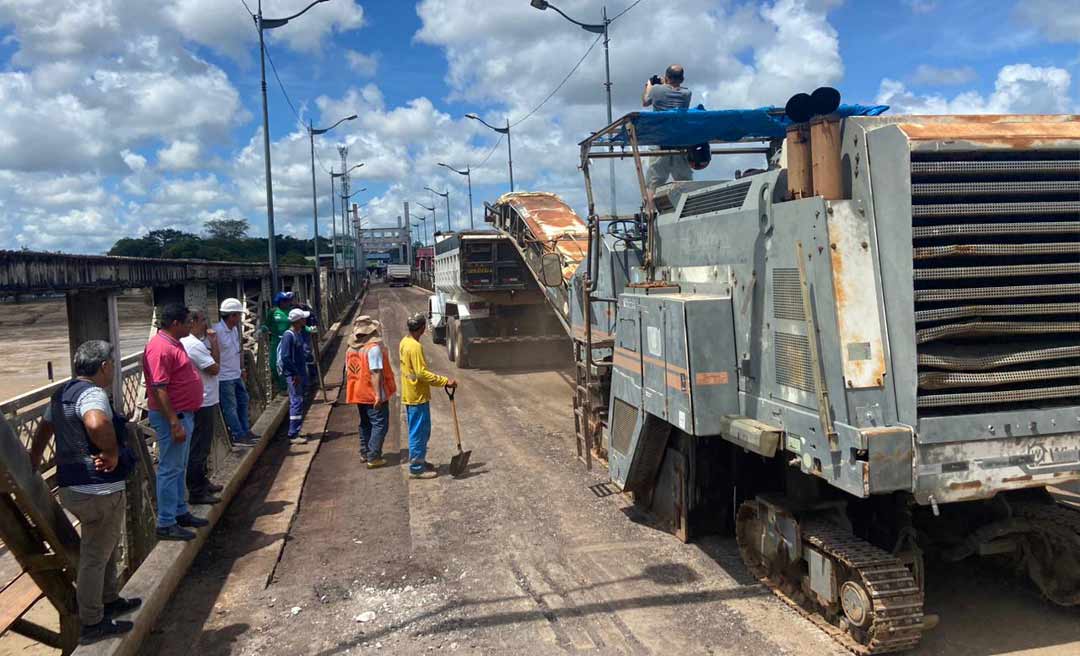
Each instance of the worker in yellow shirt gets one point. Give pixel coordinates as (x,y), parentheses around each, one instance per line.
(416,382)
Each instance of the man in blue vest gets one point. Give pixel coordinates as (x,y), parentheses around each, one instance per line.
(91,466)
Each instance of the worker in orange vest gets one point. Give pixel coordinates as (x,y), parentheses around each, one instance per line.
(369,383)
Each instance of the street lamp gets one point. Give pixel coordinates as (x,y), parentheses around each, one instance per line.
(424,233)
(445,195)
(594,28)
(263,24)
(315,206)
(468,176)
(434,224)
(509,152)
(345,223)
(333,207)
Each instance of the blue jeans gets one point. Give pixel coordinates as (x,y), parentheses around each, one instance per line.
(296,404)
(374,422)
(172,467)
(419,433)
(234,406)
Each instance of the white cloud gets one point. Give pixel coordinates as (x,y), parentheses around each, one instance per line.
(362,64)
(179,155)
(943,76)
(921,6)
(1059,20)
(225,26)
(1019,89)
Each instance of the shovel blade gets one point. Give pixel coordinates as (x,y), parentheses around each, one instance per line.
(459,463)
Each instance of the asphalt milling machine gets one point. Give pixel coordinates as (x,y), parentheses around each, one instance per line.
(862,355)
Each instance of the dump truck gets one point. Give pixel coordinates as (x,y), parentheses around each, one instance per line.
(860,354)
(398,275)
(487,309)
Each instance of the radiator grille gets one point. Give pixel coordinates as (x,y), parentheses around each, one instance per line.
(724,198)
(622,426)
(787,295)
(996,238)
(793,365)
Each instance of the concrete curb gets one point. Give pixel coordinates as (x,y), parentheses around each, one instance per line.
(158,576)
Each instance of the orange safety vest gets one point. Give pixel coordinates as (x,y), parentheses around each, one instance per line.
(358,388)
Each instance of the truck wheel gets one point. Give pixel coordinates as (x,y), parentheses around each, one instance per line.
(451,341)
(438,335)
(461,350)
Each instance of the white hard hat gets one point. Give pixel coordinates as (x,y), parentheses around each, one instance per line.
(230,306)
(296,314)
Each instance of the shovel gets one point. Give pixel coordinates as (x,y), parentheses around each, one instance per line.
(459,462)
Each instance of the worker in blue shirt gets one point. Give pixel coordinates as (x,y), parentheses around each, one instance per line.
(292,365)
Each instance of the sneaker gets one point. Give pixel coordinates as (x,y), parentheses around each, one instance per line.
(245,440)
(254,437)
(375,463)
(430,467)
(106,628)
(121,606)
(203,499)
(214,488)
(363,457)
(188,520)
(424,474)
(174,532)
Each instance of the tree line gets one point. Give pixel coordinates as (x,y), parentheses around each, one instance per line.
(223,240)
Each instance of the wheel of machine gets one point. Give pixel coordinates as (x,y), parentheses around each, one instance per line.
(856,604)
(879,609)
(438,335)
(461,349)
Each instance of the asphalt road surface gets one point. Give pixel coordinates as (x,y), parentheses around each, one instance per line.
(519,556)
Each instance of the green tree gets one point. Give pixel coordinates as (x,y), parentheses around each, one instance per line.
(234,229)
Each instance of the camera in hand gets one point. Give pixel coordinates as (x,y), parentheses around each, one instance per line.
(656,79)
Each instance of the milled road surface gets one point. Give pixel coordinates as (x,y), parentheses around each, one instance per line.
(517,557)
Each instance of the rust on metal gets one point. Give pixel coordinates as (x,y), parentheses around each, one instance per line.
(856,297)
(1004,131)
(550,219)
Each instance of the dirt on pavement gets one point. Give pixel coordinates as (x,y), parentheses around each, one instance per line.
(518,556)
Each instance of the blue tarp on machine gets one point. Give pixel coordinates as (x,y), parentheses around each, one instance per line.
(683,128)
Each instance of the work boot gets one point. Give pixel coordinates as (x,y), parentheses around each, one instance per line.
(174,532)
(206,499)
(375,463)
(214,488)
(429,467)
(191,521)
(106,628)
(121,606)
(424,474)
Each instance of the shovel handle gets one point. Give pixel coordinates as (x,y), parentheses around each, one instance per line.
(457,427)
(450,392)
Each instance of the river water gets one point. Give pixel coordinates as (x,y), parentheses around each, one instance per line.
(34,332)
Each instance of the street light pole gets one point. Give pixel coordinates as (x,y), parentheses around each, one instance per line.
(268,24)
(509,151)
(594,28)
(315,207)
(445,195)
(468,176)
(434,225)
(333,198)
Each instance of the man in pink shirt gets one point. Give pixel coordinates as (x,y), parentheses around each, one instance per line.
(174,392)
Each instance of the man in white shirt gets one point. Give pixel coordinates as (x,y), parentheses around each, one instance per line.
(234,396)
(205,353)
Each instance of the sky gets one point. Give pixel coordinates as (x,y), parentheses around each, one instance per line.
(118,117)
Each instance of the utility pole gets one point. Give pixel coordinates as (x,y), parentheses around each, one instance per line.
(343,151)
(271,246)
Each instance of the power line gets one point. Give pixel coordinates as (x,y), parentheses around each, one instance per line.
(612,20)
(488,156)
(564,81)
(282,86)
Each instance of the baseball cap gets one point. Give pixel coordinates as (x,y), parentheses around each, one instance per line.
(296,314)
